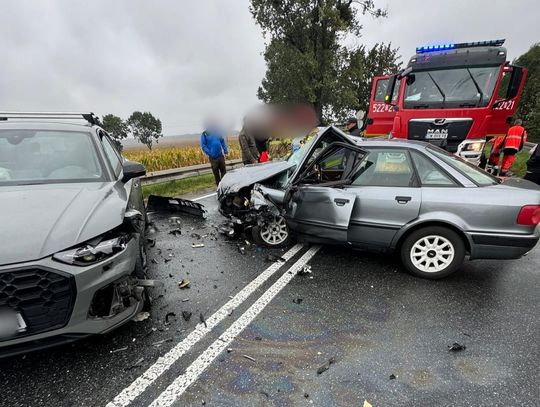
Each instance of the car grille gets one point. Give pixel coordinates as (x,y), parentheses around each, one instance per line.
(44,298)
(445,133)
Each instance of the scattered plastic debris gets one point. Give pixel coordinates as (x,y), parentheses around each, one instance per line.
(141,316)
(168,316)
(175,232)
(326,366)
(298,300)
(456,347)
(305,270)
(175,219)
(151,242)
(119,350)
(197,245)
(159,343)
(271,258)
(185,300)
(185,283)
(392,377)
(249,358)
(154,261)
(367,404)
(186,315)
(137,364)
(242,249)
(201,318)
(196,236)
(306,395)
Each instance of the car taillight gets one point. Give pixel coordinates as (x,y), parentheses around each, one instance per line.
(529,215)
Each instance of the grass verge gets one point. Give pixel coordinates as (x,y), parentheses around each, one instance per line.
(179,187)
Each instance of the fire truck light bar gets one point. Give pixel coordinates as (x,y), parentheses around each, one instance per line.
(443,47)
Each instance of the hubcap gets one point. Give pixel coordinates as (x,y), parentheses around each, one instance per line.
(275,232)
(432,254)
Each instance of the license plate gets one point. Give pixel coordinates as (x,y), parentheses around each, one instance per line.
(11,323)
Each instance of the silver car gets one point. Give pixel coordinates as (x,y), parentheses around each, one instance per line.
(387,195)
(72,223)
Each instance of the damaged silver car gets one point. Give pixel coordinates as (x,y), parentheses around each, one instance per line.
(429,206)
(72,250)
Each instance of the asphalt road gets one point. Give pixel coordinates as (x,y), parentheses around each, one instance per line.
(333,337)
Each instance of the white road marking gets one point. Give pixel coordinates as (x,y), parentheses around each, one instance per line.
(140,384)
(200,198)
(181,383)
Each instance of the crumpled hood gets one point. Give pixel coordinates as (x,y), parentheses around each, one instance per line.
(39,220)
(239,178)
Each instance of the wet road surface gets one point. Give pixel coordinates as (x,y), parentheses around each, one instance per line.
(333,337)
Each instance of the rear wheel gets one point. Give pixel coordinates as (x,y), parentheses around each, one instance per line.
(433,252)
(274,233)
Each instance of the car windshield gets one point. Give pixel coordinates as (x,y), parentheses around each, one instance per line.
(297,155)
(458,87)
(44,157)
(475,174)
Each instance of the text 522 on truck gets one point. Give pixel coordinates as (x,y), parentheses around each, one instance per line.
(451,95)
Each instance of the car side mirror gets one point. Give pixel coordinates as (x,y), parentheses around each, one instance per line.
(132,169)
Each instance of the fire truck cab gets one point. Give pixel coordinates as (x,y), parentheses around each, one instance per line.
(453,95)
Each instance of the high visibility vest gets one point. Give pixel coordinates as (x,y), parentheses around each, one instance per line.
(515,138)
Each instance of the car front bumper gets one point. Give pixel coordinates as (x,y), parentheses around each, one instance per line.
(55,299)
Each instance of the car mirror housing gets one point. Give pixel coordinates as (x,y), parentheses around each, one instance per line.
(132,169)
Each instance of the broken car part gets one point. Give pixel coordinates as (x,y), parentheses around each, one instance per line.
(168,204)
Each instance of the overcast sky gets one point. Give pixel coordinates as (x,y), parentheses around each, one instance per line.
(183,60)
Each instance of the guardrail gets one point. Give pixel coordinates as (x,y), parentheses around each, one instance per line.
(529,145)
(185,172)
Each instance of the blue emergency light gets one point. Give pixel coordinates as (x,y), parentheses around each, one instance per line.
(445,47)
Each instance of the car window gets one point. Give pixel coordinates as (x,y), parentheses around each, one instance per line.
(478,176)
(45,156)
(112,155)
(385,167)
(336,165)
(429,173)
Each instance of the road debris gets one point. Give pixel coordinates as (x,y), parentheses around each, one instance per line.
(186,315)
(185,300)
(175,232)
(196,236)
(306,395)
(137,364)
(392,377)
(298,300)
(326,366)
(249,358)
(242,249)
(159,343)
(168,316)
(201,318)
(185,283)
(141,316)
(456,347)
(168,204)
(272,259)
(305,270)
(197,245)
(119,350)
(154,261)
(151,242)
(367,404)
(175,219)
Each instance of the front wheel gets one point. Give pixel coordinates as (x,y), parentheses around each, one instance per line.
(273,233)
(433,252)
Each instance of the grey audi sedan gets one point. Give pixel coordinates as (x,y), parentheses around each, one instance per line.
(431,207)
(72,221)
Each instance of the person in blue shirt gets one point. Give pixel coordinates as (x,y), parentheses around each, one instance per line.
(214,146)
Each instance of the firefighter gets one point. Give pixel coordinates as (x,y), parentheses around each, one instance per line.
(495,155)
(513,143)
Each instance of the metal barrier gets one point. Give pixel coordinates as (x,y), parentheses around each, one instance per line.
(185,172)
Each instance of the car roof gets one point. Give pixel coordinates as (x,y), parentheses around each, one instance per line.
(14,124)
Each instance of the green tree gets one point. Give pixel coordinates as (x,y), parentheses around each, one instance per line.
(529,104)
(117,129)
(145,128)
(306,58)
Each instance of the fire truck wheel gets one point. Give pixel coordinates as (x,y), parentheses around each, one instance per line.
(433,252)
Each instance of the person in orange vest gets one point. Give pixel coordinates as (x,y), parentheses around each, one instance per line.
(513,143)
(495,155)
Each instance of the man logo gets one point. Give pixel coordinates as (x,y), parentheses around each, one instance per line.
(437,134)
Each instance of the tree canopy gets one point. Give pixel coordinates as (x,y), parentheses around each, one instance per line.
(529,104)
(145,128)
(117,129)
(308,60)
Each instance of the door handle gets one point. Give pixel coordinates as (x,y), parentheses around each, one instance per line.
(341,201)
(403,199)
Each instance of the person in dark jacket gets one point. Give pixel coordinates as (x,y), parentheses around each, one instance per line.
(213,145)
(250,154)
(533,166)
(352,127)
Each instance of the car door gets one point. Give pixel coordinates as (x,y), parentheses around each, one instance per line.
(316,205)
(380,117)
(387,197)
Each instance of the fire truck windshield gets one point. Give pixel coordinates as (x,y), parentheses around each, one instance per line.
(450,88)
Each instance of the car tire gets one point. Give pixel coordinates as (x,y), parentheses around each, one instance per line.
(141,268)
(433,252)
(275,233)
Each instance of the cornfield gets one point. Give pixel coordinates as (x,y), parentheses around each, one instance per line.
(175,157)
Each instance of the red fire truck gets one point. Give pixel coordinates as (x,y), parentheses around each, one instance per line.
(453,95)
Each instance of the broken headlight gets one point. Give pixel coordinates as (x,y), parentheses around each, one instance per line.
(93,251)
